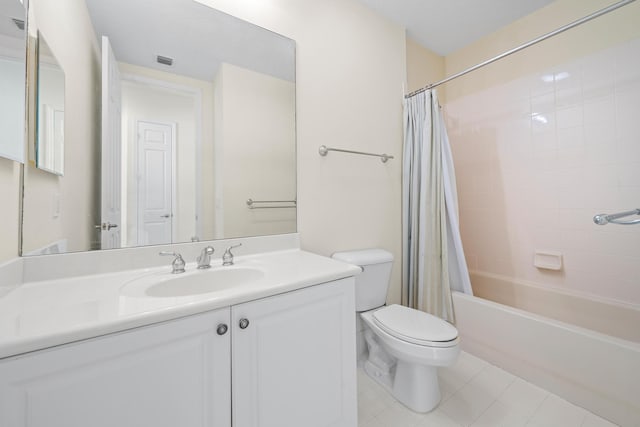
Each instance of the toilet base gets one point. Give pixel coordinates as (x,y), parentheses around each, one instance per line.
(408,371)
(416,386)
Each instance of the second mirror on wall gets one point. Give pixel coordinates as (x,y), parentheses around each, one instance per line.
(165,135)
(49,146)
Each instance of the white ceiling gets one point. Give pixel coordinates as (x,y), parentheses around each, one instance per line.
(445,26)
(11,9)
(197,37)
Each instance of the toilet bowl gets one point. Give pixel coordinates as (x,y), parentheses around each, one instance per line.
(405,346)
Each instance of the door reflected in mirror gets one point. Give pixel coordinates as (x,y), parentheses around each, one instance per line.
(196,116)
(50,110)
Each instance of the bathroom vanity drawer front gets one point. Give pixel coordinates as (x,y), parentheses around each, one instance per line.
(170,374)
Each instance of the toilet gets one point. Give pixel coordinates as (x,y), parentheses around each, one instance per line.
(405,347)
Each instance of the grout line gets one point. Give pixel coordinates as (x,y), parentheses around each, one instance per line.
(584,419)
(482,413)
(533,414)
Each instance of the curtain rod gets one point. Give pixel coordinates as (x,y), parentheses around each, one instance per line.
(525,45)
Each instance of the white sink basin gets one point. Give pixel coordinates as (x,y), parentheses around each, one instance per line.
(195,282)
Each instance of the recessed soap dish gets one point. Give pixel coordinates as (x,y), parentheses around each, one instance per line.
(548,260)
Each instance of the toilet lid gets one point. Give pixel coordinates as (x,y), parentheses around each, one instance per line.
(414,326)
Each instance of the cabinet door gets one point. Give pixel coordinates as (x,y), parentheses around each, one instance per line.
(294,364)
(171,374)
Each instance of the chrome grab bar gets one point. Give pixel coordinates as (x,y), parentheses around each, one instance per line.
(603,219)
(324,150)
(251,203)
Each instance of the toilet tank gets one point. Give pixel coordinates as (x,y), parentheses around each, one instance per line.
(373,283)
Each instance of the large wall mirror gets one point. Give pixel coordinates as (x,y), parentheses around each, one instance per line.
(12,79)
(178,125)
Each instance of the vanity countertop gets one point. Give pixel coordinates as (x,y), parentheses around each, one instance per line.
(39,315)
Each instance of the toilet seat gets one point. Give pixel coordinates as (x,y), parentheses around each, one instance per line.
(415,326)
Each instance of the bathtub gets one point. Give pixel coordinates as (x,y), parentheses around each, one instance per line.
(593,362)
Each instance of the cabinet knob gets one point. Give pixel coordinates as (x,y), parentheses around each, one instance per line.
(244,323)
(222,329)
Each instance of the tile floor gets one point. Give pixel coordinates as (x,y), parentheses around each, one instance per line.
(474,393)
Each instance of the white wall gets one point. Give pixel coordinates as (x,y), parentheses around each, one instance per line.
(255,152)
(10,224)
(350,73)
(423,67)
(69,34)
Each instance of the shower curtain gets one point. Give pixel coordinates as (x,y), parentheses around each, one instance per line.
(433,261)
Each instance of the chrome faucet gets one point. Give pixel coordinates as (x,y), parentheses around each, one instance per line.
(177,264)
(227,258)
(204,259)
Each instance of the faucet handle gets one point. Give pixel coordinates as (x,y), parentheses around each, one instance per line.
(204,259)
(178,262)
(227,257)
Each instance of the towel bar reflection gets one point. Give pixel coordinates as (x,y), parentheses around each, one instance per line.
(270,204)
(324,150)
(603,219)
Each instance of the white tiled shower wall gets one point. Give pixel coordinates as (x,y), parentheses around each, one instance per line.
(536,158)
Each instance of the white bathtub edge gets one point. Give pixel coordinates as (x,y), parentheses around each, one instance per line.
(563,359)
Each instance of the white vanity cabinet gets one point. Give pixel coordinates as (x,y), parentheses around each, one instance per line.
(284,361)
(170,374)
